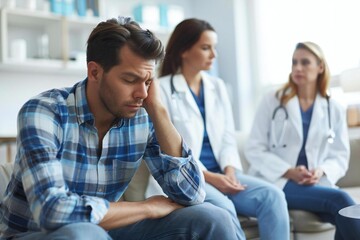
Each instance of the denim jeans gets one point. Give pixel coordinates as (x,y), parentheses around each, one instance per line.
(326,203)
(261,200)
(203,221)
(83,230)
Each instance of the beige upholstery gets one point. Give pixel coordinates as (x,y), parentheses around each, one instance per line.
(5,173)
(310,225)
(137,187)
(352,177)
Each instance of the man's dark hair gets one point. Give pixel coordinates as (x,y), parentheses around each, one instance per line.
(108,37)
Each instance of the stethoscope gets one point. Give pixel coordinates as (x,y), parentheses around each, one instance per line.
(284,116)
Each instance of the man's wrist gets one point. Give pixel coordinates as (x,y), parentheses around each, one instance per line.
(156,110)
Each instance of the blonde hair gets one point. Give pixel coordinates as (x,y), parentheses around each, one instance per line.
(289,90)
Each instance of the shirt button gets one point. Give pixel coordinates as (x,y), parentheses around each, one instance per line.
(101,189)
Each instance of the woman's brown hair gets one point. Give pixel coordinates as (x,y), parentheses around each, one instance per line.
(184,36)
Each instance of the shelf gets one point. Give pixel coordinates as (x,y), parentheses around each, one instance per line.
(46,66)
(30,17)
(65,37)
(32,62)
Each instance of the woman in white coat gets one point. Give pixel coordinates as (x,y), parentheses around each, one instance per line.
(299,141)
(200,109)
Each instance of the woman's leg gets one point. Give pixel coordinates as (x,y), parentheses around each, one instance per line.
(325,202)
(204,221)
(217,198)
(265,202)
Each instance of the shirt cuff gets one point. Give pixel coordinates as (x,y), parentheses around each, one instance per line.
(99,208)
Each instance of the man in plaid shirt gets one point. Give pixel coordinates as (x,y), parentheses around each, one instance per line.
(79,147)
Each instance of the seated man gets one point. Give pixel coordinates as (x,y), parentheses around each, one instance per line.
(79,147)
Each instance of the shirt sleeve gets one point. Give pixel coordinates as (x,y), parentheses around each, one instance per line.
(50,201)
(179,177)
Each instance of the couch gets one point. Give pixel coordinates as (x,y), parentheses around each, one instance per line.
(304,225)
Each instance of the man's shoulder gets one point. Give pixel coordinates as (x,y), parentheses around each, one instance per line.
(53,95)
(52,100)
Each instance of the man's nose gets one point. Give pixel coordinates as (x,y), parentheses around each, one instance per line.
(141,91)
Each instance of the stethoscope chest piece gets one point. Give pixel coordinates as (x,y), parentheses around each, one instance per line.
(331,136)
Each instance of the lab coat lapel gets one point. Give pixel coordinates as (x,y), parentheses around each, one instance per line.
(293,108)
(183,89)
(210,97)
(318,120)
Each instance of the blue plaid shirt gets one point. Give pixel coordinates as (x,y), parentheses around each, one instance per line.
(60,177)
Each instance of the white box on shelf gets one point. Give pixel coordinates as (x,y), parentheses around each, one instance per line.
(148,14)
(18,50)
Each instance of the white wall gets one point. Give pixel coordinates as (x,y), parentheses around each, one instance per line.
(229,18)
(17,87)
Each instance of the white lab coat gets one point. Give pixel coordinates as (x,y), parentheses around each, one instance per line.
(271,163)
(187,119)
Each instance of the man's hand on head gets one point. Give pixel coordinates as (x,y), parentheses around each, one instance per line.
(153,100)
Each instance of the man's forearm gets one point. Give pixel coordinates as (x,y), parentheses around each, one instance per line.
(121,214)
(168,137)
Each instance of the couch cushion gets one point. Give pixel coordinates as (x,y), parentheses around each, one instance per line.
(137,187)
(5,174)
(303,221)
(249,226)
(354,192)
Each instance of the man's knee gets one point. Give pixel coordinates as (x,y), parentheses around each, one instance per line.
(217,220)
(82,230)
(210,211)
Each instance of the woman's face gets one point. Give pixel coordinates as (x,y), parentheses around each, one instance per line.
(202,54)
(305,68)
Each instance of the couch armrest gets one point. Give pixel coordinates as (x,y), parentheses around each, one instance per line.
(5,174)
(352,178)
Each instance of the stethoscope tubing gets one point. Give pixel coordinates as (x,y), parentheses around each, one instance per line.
(282,134)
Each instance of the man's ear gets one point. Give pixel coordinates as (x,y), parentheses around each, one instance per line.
(94,70)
